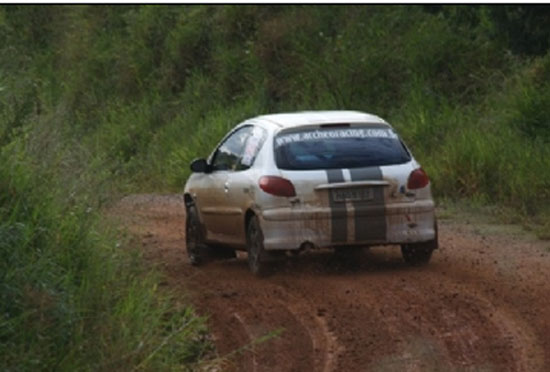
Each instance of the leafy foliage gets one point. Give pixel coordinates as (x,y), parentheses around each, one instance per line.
(100,100)
(71,296)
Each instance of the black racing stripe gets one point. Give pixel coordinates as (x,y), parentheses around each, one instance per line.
(369,227)
(339,212)
(366,174)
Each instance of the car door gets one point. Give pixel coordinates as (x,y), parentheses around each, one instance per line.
(238,186)
(217,210)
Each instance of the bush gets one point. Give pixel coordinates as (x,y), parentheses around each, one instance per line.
(73,294)
(98,101)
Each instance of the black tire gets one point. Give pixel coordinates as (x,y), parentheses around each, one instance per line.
(197,251)
(417,254)
(255,247)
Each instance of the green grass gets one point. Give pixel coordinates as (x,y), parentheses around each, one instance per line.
(100,101)
(75,295)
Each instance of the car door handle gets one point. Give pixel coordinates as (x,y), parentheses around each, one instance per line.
(226,187)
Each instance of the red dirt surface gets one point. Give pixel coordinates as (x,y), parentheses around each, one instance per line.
(483,302)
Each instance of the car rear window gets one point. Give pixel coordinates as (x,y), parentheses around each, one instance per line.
(339,146)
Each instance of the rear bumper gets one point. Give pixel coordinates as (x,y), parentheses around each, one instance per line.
(289,228)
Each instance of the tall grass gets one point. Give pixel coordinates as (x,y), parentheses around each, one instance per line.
(164,84)
(96,101)
(74,296)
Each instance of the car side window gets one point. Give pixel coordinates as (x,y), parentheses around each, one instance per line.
(253,145)
(228,154)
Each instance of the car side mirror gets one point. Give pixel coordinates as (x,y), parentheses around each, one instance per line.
(200,166)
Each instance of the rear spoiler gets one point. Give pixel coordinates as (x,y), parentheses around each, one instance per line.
(344,185)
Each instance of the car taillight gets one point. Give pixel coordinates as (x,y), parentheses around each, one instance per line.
(277,186)
(418,179)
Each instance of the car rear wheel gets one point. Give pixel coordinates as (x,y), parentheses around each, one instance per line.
(417,254)
(255,246)
(196,249)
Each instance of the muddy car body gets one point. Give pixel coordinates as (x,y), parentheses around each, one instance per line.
(286,182)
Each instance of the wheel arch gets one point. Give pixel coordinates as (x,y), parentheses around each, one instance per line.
(188,200)
(247,217)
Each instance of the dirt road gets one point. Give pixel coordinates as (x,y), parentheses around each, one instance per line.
(483,303)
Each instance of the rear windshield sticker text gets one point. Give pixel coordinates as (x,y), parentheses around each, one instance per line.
(334,134)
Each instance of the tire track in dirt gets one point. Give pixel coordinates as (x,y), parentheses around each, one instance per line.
(482,304)
(259,314)
(325,343)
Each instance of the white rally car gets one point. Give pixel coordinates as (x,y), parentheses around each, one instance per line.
(292,181)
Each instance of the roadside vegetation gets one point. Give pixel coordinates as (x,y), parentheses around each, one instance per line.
(71,297)
(98,101)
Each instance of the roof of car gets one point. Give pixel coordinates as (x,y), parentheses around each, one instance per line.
(292,119)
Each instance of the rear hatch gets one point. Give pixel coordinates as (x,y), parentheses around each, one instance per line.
(347,174)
